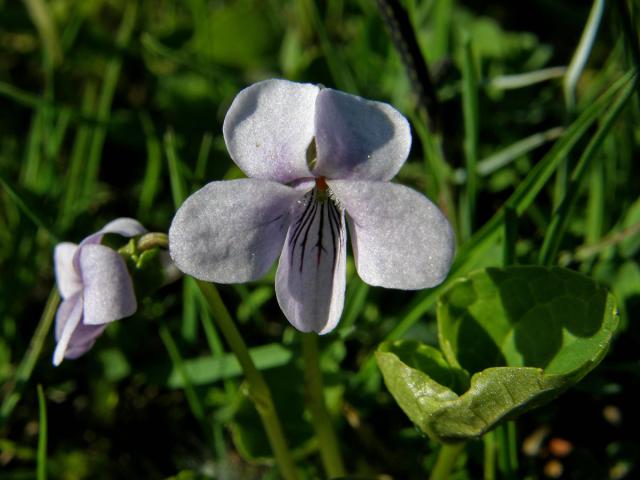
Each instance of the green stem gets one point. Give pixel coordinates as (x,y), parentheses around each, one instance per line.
(507,457)
(322,424)
(489,440)
(258,389)
(41,471)
(446,460)
(24,370)
(152,240)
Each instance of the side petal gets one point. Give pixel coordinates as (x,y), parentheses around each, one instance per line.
(108,289)
(400,239)
(359,139)
(127,227)
(83,338)
(269,128)
(67,278)
(231,231)
(310,281)
(67,320)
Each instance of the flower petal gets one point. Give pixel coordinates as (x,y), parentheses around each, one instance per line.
(67,278)
(269,128)
(67,319)
(127,227)
(400,238)
(231,231)
(83,338)
(359,139)
(108,289)
(310,280)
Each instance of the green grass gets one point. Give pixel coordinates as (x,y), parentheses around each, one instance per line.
(114,108)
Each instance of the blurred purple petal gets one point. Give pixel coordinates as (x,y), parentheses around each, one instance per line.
(126,227)
(67,278)
(68,317)
(108,289)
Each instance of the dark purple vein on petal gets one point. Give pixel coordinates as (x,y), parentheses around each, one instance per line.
(334,223)
(302,219)
(303,244)
(320,231)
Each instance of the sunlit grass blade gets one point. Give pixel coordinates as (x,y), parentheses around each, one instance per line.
(339,69)
(43,19)
(189,323)
(178,187)
(105,99)
(596,203)
(31,356)
(357,292)
(581,54)
(151,179)
(27,209)
(194,401)
(564,212)
(442,20)
(42,436)
(520,80)
(508,155)
(79,151)
(203,155)
(471,118)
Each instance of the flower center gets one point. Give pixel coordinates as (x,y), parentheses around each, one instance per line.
(321,184)
(322,189)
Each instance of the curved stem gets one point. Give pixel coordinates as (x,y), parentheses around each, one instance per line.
(322,424)
(446,460)
(24,370)
(258,388)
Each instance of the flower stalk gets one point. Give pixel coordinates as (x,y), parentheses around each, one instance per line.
(14,389)
(258,389)
(447,458)
(315,400)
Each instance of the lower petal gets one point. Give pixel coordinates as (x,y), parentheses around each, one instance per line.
(400,238)
(310,281)
(68,318)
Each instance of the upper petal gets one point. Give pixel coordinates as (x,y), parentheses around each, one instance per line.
(67,278)
(127,227)
(108,289)
(400,238)
(231,231)
(310,281)
(269,128)
(359,139)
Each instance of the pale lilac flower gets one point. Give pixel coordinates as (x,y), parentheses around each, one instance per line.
(312,154)
(95,287)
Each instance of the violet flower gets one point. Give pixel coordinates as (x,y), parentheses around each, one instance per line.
(95,287)
(312,155)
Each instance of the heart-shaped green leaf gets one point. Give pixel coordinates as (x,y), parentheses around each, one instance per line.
(524,333)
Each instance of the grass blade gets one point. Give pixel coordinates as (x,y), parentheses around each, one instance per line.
(111,75)
(15,388)
(579,59)
(42,436)
(562,215)
(470,115)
